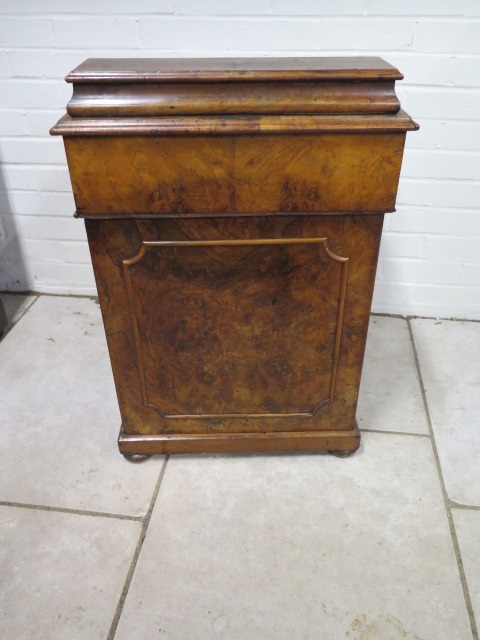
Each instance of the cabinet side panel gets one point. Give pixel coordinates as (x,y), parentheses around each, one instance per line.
(109,240)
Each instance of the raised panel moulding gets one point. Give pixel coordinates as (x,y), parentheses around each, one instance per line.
(138,303)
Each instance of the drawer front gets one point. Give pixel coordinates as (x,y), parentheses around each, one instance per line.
(188,176)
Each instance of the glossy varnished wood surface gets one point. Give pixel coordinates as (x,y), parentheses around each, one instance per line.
(271,88)
(230,124)
(238,95)
(241,322)
(146,70)
(231,330)
(238,442)
(225,204)
(233,98)
(200,175)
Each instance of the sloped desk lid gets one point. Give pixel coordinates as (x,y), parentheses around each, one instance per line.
(142,96)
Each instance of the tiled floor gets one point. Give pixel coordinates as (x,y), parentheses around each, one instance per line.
(381,546)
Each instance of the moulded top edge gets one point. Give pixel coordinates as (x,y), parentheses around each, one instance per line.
(117,70)
(225,125)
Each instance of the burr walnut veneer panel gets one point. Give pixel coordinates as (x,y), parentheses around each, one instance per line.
(243,174)
(256,326)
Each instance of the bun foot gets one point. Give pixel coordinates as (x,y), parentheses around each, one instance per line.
(343,454)
(136,457)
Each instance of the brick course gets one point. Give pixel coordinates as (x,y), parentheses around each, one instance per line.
(430,256)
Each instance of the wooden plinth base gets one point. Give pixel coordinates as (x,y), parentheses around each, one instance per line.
(335,441)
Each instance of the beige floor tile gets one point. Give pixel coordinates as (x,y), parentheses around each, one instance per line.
(467,524)
(299,546)
(60,417)
(15,304)
(390,397)
(61,575)
(449,356)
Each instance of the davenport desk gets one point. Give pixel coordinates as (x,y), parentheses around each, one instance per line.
(234,210)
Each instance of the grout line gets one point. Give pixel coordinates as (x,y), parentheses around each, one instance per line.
(78,512)
(464,507)
(395,433)
(50,294)
(133,564)
(446,499)
(415,317)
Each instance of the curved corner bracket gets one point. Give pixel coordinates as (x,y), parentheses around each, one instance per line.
(320,405)
(131,261)
(329,251)
(150,405)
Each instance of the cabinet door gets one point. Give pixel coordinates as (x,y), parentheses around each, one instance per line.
(251,325)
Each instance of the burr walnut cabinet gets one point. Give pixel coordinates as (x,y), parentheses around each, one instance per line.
(234,211)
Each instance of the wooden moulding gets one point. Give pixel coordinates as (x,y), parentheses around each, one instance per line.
(195,96)
(240,442)
(124,70)
(224,125)
(226,97)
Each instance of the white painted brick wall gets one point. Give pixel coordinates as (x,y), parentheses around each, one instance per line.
(430,256)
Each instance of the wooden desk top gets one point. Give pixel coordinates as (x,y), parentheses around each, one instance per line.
(108,70)
(214,96)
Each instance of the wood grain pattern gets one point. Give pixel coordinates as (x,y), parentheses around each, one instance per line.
(153,99)
(234,442)
(195,333)
(225,124)
(207,333)
(228,174)
(137,95)
(233,256)
(145,70)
